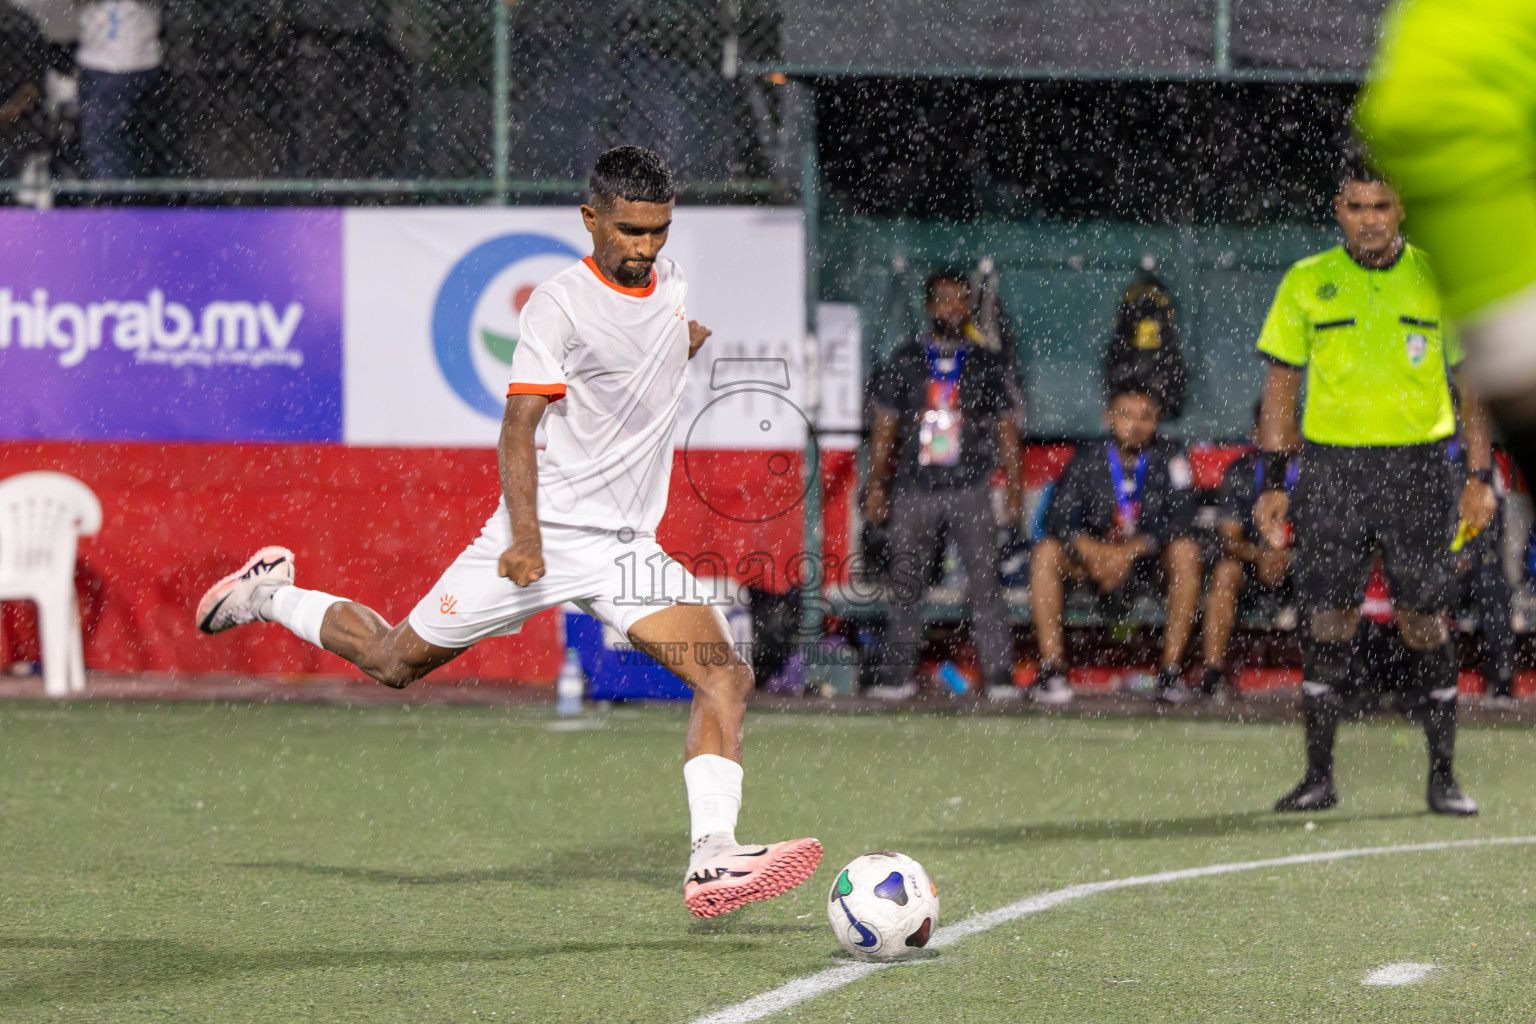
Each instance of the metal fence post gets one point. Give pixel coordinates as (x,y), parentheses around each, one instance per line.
(811,624)
(501,99)
(1223,48)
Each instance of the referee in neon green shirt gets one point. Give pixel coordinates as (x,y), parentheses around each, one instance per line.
(1362,325)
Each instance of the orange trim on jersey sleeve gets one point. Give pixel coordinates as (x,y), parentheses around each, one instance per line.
(636,293)
(553,392)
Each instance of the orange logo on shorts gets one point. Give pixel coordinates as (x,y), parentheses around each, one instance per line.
(448,604)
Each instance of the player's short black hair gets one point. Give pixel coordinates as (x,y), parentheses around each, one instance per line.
(1355,165)
(633,173)
(1133,384)
(952,275)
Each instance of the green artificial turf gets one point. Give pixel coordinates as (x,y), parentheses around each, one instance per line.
(282,863)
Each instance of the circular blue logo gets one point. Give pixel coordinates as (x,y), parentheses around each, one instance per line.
(454,334)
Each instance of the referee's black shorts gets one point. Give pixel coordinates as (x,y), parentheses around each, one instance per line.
(1350,502)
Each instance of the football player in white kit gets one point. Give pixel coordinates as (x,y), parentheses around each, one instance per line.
(601,359)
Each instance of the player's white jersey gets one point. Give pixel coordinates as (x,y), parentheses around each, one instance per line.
(613,362)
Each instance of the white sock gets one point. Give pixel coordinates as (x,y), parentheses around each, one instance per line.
(714,795)
(302,611)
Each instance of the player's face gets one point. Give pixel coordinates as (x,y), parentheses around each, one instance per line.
(949,308)
(1132,421)
(626,237)
(1369,213)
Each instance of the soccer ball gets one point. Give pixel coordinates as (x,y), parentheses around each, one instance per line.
(883,906)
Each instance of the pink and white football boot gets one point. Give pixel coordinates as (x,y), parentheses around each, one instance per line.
(723,875)
(236,599)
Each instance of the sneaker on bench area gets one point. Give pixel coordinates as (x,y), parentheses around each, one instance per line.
(1051,688)
(893,691)
(1170,686)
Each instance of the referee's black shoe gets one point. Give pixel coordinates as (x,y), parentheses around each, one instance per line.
(1315,793)
(1445,797)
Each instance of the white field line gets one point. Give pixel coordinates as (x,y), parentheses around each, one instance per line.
(813,985)
(1398,974)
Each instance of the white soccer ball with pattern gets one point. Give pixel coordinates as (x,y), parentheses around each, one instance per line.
(883,907)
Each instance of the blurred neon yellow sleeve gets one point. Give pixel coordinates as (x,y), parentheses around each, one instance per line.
(1450,114)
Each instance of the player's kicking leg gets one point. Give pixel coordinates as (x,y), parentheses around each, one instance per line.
(692,640)
(262,590)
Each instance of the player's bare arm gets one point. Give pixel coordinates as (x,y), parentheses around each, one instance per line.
(1010,456)
(882,447)
(1478,500)
(1277,433)
(523,562)
(697,335)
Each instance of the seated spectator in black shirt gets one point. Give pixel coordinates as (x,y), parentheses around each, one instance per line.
(943,423)
(1245,555)
(1122,507)
(23,62)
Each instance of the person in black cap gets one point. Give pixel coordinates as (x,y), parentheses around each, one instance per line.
(1145,346)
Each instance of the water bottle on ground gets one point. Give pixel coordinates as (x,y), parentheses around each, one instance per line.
(571,685)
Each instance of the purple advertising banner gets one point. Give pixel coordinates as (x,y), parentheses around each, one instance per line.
(162,325)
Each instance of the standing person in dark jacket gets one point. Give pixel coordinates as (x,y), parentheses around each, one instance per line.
(1122,510)
(943,422)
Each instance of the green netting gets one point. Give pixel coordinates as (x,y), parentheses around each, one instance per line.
(434,98)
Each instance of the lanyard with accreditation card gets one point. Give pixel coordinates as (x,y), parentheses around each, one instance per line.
(939,430)
(1127,492)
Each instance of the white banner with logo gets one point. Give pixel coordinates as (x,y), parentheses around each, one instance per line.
(431,310)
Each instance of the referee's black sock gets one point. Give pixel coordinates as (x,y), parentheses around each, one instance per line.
(1325,669)
(1430,700)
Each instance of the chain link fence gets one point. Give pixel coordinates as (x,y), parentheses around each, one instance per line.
(427,100)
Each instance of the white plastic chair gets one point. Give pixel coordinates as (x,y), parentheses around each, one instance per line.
(42,518)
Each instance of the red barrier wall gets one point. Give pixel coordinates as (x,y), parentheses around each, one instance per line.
(374,524)
(377,525)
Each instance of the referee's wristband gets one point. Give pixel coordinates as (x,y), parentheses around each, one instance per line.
(1485,475)
(1275,464)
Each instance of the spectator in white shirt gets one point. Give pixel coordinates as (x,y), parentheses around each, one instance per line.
(119,55)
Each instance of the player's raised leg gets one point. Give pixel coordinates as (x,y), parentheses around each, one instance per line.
(693,641)
(262,590)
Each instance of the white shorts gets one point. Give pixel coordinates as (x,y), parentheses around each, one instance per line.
(619,577)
